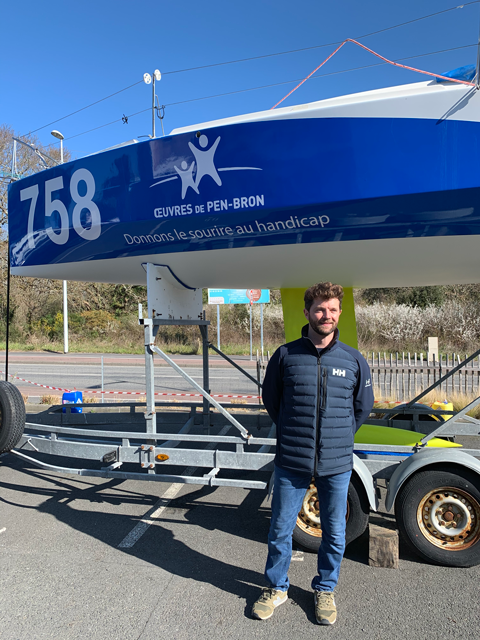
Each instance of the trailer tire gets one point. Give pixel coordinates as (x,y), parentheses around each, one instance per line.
(308,531)
(12,416)
(426,507)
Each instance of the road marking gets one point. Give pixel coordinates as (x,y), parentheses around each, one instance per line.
(155,512)
(3,530)
(297,556)
(137,532)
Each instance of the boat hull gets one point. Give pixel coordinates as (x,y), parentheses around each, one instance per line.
(366,201)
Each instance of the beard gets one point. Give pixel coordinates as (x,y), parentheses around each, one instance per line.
(322,328)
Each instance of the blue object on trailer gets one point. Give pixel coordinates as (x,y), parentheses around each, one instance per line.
(72,397)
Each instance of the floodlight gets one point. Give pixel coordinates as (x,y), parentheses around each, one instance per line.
(147,78)
(157,74)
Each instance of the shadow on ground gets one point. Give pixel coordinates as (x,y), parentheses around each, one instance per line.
(200,507)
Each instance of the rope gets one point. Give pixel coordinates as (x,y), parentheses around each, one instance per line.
(133,393)
(395,64)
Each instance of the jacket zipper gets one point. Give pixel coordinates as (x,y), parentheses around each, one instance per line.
(324,388)
(318,403)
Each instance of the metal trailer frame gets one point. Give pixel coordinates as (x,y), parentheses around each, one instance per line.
(153,445)
(162,436)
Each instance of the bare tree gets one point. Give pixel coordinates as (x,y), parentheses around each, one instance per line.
(27,162)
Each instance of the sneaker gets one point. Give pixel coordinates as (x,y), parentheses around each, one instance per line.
(325,609)
(267,602)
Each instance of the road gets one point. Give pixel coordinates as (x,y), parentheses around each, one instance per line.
(194,573)
(122,373)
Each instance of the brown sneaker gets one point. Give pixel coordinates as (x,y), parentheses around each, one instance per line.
(267,603)
(325,609)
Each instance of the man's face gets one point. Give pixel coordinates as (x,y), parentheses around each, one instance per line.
(324,315)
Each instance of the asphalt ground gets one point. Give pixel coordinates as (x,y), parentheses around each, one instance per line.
(195,570)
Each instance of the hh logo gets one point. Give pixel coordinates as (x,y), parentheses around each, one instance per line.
(191,173)
(339,372)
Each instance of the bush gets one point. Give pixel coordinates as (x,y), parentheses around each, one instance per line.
(401,327)
(98,321)
(411,296)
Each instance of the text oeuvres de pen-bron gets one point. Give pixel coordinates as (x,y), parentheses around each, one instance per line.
(216,231)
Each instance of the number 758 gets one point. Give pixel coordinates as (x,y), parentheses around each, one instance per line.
(60,236)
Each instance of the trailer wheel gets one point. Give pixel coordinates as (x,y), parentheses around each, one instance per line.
(308,530)
(12,416)
(438,513)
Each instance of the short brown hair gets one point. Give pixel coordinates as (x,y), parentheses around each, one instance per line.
(325,291)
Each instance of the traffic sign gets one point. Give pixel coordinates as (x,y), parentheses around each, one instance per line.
(238,296)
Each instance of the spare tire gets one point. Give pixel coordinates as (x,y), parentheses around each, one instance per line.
(12,416)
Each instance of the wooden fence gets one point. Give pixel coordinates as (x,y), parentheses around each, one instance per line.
(401,376)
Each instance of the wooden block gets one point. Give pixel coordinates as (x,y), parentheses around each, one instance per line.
(383,547)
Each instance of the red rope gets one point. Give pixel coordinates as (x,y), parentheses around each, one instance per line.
(396,64)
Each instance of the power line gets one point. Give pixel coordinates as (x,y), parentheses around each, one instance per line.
(276,84)
(321,46)
(323,75)
(108,123)
(83,108)
(268,55)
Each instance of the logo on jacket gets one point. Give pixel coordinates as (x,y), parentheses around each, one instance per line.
(368,383)
(191,173)
(339,372)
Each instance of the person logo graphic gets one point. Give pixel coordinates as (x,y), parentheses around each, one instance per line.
(191,174)
(204,160)
(186,175)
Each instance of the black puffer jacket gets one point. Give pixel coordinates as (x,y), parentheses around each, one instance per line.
(318,400)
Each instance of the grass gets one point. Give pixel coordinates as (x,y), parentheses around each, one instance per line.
(458,399)
(50,399)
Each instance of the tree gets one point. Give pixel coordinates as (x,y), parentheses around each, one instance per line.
(27,162)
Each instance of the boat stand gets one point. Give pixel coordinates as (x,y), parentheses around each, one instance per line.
(175,439)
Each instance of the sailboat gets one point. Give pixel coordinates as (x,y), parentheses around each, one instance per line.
(372,189)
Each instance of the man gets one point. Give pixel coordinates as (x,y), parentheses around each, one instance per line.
(318,392)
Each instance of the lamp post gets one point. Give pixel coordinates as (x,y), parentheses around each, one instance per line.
(59,136)
(147,78)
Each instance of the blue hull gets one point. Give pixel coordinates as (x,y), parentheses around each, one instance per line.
(284,182)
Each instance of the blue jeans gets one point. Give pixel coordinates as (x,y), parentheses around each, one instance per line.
(288,493)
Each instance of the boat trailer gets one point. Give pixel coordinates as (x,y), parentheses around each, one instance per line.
(435,491)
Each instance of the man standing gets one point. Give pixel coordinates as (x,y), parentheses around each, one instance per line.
(318,392)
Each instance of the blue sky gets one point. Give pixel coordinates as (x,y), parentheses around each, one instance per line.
(61,56)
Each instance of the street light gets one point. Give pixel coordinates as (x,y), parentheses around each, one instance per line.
(147,78)
(61,137)
(57,134)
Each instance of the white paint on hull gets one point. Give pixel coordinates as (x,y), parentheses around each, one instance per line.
(426,100)
(359,263)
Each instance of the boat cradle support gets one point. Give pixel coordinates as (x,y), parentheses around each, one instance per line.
(159,448)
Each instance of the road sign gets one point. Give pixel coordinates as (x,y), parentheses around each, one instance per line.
(238,296)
